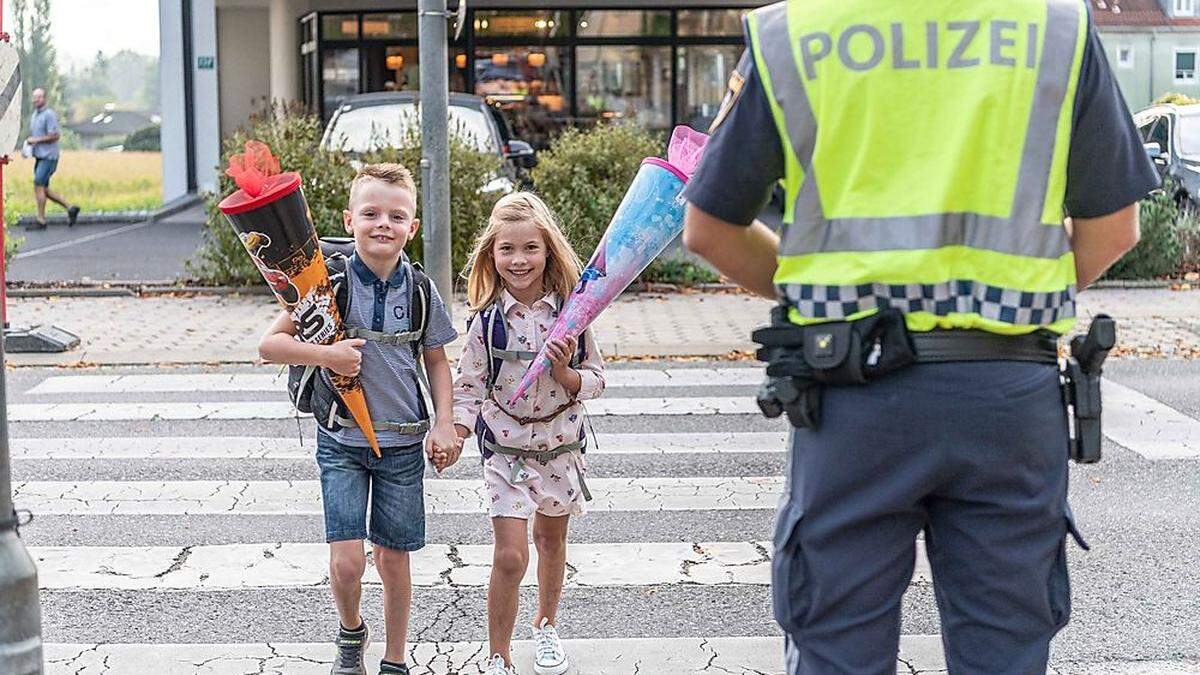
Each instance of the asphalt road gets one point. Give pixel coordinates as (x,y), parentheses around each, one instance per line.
(1136,593)
(156,252)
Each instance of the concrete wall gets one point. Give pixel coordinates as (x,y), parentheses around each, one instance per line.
(170,74)
(243,64)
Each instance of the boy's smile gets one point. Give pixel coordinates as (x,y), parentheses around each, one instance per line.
(381,220)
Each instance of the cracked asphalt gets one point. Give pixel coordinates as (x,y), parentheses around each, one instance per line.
(1136,594)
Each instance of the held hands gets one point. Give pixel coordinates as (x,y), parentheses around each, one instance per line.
(560,353)
(344,356)
(443,445)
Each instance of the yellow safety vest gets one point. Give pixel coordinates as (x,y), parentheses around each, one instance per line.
(925,150)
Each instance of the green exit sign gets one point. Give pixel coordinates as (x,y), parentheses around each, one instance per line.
(206,62)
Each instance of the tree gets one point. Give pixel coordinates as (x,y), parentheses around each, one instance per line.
(35,46)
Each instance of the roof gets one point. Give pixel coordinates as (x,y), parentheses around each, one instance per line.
(1136,13)
(114,123)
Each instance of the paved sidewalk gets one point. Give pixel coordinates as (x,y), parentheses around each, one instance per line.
(225,329)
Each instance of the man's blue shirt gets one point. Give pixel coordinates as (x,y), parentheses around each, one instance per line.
(44,123)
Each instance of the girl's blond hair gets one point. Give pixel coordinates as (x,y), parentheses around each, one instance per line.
(562,265)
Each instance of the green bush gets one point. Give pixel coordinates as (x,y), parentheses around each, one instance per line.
(146,139)
(585,173)
(682,272)
(294,137)
(1175,98)
(1166,229)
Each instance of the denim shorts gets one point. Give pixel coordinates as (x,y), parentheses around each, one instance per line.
(350,476)
(42,170)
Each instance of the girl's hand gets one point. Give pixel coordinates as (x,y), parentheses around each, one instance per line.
(560,353)
(443,446)
(344,358)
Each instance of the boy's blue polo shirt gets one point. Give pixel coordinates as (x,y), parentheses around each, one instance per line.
(389,375)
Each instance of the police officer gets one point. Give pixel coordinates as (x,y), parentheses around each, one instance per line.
(930,153)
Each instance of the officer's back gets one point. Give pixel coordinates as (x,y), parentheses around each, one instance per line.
(929,153)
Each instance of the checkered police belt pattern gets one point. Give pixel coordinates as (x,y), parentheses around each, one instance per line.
(950,297)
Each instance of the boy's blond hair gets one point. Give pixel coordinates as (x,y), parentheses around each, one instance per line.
(388,172)
(562,265)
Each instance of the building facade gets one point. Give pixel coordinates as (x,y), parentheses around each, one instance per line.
(548,64)
(1153,46)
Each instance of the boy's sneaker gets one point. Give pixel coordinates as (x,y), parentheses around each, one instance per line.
(548,656)
(495,666)
(351,644)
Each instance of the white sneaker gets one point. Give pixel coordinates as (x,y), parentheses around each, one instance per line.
(549,657)
(495,666)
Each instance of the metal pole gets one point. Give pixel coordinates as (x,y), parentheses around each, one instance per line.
(435,150)
(20,615)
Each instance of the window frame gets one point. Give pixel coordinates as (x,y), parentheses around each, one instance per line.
(1184,7)
(1125,64)
(1175,65)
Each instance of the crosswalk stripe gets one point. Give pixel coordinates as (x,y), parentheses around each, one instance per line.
(239,566)
(258,447)
(291,564)
(1147,427)
(276,381)
(441,496)
(274,410)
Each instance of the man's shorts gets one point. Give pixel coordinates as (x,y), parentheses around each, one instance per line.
(42,170)
(350,476)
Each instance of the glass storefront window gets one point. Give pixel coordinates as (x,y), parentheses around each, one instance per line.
(624,23)
(625,82)
(710,22)
(339,27)
(390,68)
(391,26)
(339,71)
(529,85)
(397,68)
(703,78)
(527,23)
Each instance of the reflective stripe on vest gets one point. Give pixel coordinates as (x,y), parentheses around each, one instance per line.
(958,230)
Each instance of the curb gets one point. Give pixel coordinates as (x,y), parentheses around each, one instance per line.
(1139,284)
(109,217)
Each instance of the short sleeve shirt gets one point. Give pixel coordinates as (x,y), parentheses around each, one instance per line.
(43,123)
(389,372)
(1107,167)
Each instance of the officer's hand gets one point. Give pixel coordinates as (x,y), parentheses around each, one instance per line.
(344,358)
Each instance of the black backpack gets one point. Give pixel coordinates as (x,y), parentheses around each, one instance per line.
(310,388)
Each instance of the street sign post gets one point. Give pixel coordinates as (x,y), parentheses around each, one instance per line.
(435,145)
(20,614)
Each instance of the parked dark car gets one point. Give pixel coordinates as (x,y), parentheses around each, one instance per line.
(1171,135)
(385,119)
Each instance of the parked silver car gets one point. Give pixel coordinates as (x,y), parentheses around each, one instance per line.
(1171,135)
(387,119)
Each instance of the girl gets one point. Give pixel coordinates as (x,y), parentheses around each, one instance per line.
(522,269)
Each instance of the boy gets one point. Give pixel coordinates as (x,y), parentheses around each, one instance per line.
(380,217)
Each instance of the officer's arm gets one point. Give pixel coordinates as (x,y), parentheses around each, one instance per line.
(1100,242)
(747,255)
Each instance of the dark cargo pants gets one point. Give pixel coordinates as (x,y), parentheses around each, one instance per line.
(974,454)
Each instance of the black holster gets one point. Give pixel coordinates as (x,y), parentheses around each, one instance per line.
(1081,375)
(802,359)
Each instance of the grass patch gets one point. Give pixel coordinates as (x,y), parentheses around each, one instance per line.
(93,179)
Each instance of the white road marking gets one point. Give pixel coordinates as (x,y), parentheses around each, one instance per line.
(257,447)
(441,496)
(239,566)
(1152,429)
(621,656)
(277,381)
(274,410)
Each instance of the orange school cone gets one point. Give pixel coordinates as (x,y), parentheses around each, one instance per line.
(271,218)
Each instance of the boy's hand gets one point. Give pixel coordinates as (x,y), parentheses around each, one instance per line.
(344,358)
(560,353)
(443,446)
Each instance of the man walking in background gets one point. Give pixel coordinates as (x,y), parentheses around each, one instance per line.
(43,140)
